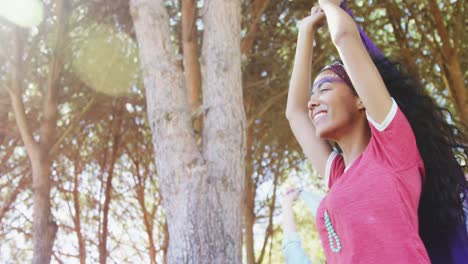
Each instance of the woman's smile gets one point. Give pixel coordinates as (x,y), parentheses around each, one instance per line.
(318,115)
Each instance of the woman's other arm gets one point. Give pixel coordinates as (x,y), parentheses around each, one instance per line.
(317,150)
(358,64)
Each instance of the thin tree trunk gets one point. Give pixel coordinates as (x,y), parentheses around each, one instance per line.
(103,253)
(202,190)
(269,229)
(457,87)
(147,221)
(77,216)
(249,201)
(249,195)
(191,64)
(140,184)
(44,226)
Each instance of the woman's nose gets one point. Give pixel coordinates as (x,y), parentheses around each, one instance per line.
(312,103)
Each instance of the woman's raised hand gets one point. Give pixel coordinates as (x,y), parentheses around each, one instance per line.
(314,20)
(334,2)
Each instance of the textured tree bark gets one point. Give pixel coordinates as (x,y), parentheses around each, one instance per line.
(202,189)
(224,132)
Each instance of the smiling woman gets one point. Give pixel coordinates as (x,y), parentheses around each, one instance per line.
(24,13)
(396,190)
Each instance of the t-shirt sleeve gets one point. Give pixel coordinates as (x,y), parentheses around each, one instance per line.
(334,168)
(394,140)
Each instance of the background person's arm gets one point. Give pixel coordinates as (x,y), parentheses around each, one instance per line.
(292,246)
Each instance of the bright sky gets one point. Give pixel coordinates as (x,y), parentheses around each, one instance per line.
(25,13)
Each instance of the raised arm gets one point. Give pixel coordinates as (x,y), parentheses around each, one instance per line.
(317,150)
(358,64)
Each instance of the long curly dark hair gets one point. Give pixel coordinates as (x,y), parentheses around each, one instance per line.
(443,148)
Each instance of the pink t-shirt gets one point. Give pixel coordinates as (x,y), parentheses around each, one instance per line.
(373,204)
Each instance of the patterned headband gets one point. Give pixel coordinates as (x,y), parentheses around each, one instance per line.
(338,68)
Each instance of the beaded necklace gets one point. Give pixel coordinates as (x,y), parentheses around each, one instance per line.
(334,240)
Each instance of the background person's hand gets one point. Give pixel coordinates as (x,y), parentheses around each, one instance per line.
(289,197)
(314,20)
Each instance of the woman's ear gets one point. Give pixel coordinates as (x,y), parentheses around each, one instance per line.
(359,104)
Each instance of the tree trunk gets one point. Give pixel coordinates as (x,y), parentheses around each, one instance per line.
(77,216)
(116,127)
(202,188)
(43,223)
(249,202)
(148,214)
(44,226)
(457,88)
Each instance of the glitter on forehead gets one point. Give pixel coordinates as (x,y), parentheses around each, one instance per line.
(327,78)
(330,75)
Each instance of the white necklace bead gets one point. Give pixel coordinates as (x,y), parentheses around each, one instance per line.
(332,236)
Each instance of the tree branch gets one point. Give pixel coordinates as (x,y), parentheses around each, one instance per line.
(15,92)
(190,55)
(441,29)
(72,125)
(48,128)
(271,102)
(247,42)
(25,180)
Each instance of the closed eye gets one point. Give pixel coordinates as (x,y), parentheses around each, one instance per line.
(325,87)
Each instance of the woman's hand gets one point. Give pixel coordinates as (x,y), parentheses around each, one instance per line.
(314,21)
(334,2)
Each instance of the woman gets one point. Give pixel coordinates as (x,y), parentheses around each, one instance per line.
(396,190)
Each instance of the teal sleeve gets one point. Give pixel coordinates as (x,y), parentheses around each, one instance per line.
(293,252)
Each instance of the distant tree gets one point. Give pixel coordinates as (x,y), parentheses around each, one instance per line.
(38,143)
